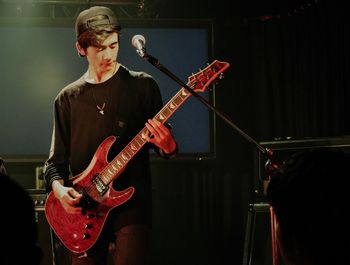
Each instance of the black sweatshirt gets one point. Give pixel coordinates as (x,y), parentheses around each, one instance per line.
(129,99)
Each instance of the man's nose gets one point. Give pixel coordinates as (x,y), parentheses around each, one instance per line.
(108,54)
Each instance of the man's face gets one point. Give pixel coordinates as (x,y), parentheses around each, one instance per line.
(103,57)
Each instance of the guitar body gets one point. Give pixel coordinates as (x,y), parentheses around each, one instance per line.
(78,232)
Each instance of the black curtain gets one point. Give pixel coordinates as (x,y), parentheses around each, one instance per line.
(288,78)
(301,73)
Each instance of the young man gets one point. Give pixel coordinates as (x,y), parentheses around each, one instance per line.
(108,99)
(310,198)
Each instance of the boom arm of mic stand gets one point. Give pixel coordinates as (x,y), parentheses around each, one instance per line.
(270,167)
(155,62)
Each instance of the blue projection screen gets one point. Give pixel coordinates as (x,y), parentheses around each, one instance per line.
(38,61)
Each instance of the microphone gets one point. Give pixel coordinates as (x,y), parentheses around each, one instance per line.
(139,41)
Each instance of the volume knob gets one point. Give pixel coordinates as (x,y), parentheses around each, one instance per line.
(86,236)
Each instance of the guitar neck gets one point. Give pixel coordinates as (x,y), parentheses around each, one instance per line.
(198,82)
(135,145)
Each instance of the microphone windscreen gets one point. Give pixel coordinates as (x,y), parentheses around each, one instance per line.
(137,40)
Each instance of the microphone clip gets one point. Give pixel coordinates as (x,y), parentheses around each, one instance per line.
(142,52)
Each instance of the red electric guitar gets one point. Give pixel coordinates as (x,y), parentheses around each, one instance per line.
(79,232)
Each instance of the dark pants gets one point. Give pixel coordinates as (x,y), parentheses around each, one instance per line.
(130,247)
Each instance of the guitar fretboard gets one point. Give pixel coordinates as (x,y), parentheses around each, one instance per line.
(135,145)
(197,82)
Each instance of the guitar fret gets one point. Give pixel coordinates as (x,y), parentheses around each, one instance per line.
(184,93)
(171,105)
(133,147)
(177,100)
(137,141)
(119,163)
(104,175)
(161,117)
(124,157)
(167,112)
(128,151)
(143,133)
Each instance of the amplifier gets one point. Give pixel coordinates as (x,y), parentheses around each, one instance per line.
(53,250)
(44,232)
(283,149)
(39,198)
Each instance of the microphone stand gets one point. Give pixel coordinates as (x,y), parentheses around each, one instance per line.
(270,167)
(155,62)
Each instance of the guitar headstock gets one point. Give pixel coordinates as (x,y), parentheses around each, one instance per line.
(201,80)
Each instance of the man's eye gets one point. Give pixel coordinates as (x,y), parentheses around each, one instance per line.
(99,49)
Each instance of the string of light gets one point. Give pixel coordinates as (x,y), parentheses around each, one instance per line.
(307,5)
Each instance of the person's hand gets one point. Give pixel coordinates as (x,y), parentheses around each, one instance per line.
(161,136)
(68,197)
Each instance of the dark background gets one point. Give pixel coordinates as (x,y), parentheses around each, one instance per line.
(288,82)
(27,125)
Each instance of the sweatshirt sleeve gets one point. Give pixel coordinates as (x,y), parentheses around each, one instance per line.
(57,165)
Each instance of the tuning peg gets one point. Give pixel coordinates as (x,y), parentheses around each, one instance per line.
(221,76)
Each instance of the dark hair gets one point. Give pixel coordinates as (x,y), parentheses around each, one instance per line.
(309,195)
(95,36)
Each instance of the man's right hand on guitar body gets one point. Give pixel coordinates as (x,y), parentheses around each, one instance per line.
(68,197)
